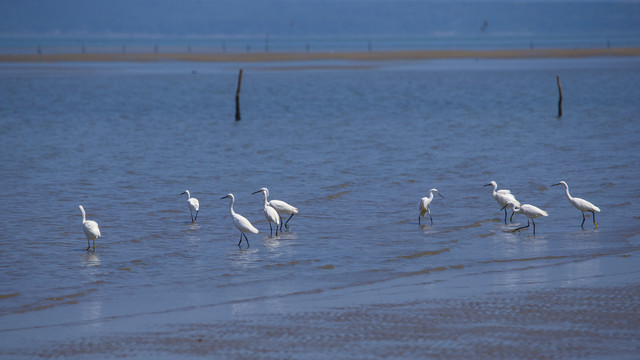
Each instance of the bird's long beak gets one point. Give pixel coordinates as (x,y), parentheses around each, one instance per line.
(556,184)
(224,197)
(487,185)
(440,195)
(256,192)
(183,193)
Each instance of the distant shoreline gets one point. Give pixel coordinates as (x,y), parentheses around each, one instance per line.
(322,56)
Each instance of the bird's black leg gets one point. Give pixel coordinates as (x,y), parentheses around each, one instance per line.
(419,220)
(245,238)
(240,239)
(271,229)
(505,215)
(522,227)
(511,218)
(430,218)
(285,224)
(582,225)
(281,223)
(190,213)
(534,226)
(196,218)
(88,244)
(594,219)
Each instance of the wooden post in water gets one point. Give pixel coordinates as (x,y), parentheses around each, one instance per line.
(238,96)
(559,97)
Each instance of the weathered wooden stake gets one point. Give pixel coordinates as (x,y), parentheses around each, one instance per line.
(559,97)
(238,96)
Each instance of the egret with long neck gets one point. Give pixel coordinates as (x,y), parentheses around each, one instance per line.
(580,204)
(194,205)
(240,222)
(269,212)
(530,211)
(282,208)
(425,204)
(503,197)
(90,228)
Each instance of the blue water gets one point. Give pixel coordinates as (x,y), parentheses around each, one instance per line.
(354,146)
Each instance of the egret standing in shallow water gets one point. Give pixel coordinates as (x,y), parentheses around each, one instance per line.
(90,228)
(580,204)
(240,221)
(424,205)
(282,208)
(269,212)
(503,197)
(530,211)
(194,205)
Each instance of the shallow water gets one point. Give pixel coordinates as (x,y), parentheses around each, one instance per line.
(354,146)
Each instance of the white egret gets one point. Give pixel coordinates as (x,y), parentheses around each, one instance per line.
(424,205)
(90,228)
(580,204)
(530,211)
(269,212)
(503,197)
(282,208)
(240,221)
(194,205)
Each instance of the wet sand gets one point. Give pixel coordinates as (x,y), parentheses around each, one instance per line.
(320,56)
(562,323)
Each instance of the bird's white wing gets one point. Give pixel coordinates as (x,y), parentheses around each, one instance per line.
(283,207)
(533,211)
(91,229)
(584,205)
(424,205)
(194,204)
(510,198)
(272,215)
(243,224)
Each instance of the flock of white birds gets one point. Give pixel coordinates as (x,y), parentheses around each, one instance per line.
(275,209)
(506,200)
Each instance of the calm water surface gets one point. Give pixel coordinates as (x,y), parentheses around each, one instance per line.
(353,146)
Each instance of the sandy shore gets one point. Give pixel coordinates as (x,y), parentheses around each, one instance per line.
(562,323)
(319,56)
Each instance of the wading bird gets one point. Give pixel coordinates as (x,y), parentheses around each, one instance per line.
(240,221)
(282,208)
(194,205)
(424,205)
(269,212)
(90,228)
(530,211)
(503,197)
(580,204)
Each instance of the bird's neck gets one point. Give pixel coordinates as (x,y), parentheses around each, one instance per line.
(231,207)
